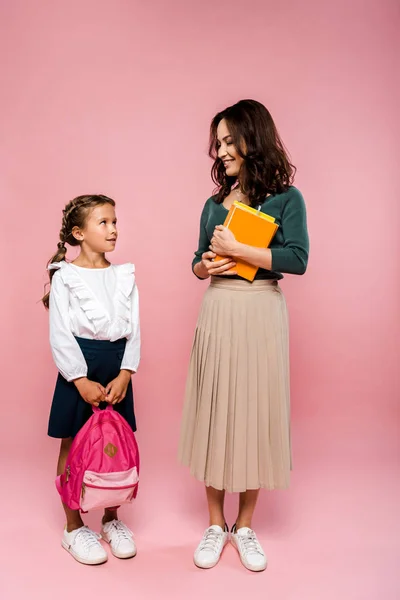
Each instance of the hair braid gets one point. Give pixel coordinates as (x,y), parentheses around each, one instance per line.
(75,214)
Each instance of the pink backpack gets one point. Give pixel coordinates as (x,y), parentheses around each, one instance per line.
(102,469)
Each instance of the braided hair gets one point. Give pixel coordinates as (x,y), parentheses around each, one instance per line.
(74,215)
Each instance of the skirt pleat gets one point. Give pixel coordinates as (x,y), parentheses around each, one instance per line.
(235,432)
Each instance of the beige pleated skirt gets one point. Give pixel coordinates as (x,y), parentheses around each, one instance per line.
(235,432)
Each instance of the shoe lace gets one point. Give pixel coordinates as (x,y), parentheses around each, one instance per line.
(250,543)
(121,530)
(88,538)
(211,540)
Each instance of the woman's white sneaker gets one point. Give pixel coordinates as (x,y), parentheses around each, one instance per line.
(120,538)
(209,551)
(249,548)
(83,544)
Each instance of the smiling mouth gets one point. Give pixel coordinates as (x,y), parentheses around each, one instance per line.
(226,163)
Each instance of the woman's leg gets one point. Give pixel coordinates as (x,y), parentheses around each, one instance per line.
(74,520)
(247,505)
(243,537)
(215,499)
(209,551)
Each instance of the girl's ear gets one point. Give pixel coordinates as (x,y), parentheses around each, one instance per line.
(77,233)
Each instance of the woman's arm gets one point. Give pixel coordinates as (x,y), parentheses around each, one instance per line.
(200,270)
(259,257)
(291,257)
(203,265)
(197,267)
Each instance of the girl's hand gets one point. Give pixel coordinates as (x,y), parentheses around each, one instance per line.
(223,241)
(116,389)
(91,391)
(218,267)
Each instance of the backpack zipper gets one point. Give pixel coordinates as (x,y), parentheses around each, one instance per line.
(103,487)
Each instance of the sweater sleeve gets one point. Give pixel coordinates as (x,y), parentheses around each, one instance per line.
(204,242)
(65,349)
(292,257)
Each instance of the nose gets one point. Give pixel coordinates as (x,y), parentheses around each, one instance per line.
(221,152)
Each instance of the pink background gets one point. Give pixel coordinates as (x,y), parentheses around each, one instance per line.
(116,98)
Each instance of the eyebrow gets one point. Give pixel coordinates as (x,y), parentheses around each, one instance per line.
(225,138)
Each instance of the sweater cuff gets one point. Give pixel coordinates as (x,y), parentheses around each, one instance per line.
(284,260)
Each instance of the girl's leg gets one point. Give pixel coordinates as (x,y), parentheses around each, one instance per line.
(118,535)
(83,546)
(110,514)
(247,505)
(74,520)
(215,499)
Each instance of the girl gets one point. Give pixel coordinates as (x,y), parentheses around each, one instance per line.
(95,342)
(235,433)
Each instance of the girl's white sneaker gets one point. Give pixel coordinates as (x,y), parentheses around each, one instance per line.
(83,544)
(120,538)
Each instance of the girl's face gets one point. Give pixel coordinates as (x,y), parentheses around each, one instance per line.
(227,152)
(100,231)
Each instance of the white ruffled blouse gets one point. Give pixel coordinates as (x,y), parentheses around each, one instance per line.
(98,304)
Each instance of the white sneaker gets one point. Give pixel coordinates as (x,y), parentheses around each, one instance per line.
(83,544)
(120,538)
(249,548)
(209,550)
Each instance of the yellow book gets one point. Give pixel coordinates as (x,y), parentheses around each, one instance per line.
(251,227)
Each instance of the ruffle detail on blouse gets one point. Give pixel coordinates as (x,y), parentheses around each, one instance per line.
(89,304)
(123,298)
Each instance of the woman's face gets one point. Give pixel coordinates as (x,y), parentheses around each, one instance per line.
(227,151)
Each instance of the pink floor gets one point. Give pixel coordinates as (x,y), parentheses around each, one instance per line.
(334,535)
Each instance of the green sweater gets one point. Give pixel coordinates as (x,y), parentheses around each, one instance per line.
(290,245)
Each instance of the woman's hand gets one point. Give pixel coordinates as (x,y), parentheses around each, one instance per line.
(92,392)
(116,389)
(218,267)
(223,241)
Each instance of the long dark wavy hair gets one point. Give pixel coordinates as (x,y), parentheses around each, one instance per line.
(266,169)
(74,215)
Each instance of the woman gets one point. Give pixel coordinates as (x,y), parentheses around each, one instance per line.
(235,434)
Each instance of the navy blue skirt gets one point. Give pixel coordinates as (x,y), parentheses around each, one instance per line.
(69,412)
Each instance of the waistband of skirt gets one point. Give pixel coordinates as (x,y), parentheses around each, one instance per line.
(100,345)
(242,284)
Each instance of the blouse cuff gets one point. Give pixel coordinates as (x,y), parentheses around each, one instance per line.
(77,374)
(129,366)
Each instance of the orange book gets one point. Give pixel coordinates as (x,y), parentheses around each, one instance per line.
(251,227)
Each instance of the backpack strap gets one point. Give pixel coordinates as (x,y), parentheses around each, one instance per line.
(96,409)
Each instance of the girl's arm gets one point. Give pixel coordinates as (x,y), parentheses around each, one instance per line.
(131,358)
(65,349)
